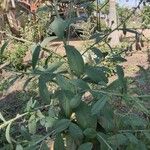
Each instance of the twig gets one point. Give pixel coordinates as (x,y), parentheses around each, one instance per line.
(12,120)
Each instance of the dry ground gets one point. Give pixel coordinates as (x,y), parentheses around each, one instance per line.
(139,58)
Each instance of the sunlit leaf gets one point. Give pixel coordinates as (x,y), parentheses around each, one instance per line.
(32,124)
(1,117)
(19,147)
(7,133)
(47,40)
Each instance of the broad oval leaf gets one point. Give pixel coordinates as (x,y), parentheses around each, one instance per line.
(84,116)
(75,101)
(59,143)
(75,60)
(64,83)
(61,125)
(90,133)
(58,26)
(44,146)
(99,105)
(80,84)
(96,74)
(64,100)
(118,139)
(120,72)
(43,90)
(35,56)
(75,132)
(86,146)
(19,147)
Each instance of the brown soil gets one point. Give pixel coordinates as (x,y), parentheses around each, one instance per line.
(139,58)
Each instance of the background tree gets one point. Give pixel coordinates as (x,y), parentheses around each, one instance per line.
(113,22)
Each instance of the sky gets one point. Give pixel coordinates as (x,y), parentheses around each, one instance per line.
(128,3)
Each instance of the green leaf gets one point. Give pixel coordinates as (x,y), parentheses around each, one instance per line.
(49,122)
(84,116)
(140,146)
(120,72)
(43,90)
(64,100)
(35,56)
(96,74)
(75,60)
(25,134)
(131,138)
(118,58)
(32,124)
(30,104)
(134,121)
(47,40)
(7,133)
(1,117)
(58,26)
(64,83)
(19,147)
(122,80)
(59,143)
(3,47)
(61,125)
(98,53)
(53,67)
(80,84)
(86,146)
(70,143)
(44,146)
(75,132)
(102,138)
(27,82)
(118,139)
(90,133)
(147,135)
(75,101)
(99,105)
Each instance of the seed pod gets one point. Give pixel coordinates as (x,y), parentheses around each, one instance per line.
(124,29)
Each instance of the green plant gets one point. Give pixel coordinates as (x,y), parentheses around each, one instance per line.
(66,115)
(15,56)
(146,17)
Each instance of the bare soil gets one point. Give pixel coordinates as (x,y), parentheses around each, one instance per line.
(139,58)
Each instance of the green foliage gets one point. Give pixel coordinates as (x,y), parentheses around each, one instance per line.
(146,17)
(64,114)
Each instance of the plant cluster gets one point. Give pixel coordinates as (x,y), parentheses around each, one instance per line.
(78,108)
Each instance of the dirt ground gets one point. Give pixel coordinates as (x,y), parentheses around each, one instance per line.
(139,58)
